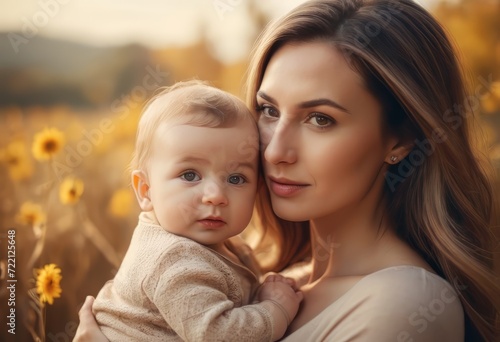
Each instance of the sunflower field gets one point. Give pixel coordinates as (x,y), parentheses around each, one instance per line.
(69,113)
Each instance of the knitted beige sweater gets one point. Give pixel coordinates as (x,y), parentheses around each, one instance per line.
(170,288)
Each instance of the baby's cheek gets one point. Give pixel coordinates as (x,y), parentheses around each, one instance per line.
(188,206)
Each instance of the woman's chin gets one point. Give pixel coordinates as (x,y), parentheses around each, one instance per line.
(290,213)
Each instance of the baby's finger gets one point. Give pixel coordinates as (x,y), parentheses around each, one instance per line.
(291,282)
(270,278)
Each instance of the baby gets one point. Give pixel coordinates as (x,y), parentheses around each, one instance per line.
(187,276)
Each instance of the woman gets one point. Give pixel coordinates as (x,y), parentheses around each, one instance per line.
(370,174)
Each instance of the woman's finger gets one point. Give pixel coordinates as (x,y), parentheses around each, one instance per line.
(88,330)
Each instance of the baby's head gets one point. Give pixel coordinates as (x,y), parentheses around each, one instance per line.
(196,162)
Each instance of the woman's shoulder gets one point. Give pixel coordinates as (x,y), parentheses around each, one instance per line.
(407,286)
(399,303)
(400,279)
(409,303)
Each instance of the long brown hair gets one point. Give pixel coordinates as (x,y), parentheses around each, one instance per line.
(440,199)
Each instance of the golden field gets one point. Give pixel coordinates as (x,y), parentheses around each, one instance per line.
(65,197)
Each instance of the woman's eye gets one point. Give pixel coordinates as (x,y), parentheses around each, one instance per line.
(190,176)
(320,120)
(237,180)
(268,111)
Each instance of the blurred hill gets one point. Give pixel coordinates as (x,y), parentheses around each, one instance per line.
(46,72)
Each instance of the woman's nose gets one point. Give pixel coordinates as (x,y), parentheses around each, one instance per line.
(278,142)
(214,194)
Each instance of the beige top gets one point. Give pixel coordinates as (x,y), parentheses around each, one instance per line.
(401,303)
(170,288)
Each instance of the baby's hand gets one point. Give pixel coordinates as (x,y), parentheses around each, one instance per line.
(282,293)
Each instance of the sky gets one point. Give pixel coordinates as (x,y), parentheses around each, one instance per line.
(154,23)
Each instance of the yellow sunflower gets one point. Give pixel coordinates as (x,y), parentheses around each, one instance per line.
(491,101)
(121,202)
(31,214)
(16,157)
(47,283)
(495,89)
(20,172)
(71,190)
(48,143)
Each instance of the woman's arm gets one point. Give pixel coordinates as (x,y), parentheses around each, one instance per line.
(88,330)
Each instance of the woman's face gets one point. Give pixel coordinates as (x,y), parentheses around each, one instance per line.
(321,131)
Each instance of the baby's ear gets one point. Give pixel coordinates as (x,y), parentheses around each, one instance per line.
(141,189)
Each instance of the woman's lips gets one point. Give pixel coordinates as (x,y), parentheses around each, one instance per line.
(285,187)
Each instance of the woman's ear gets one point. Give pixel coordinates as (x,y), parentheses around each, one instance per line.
(400,149)
(141,189)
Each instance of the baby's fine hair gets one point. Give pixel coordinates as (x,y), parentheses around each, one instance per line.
(191,102)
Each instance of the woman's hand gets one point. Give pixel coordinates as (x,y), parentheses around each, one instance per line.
(88,330)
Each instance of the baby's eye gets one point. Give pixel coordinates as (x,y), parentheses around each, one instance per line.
(190,176)
(236,179)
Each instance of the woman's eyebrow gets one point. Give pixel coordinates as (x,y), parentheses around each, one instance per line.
(307,104)
(266,97)
(323,102)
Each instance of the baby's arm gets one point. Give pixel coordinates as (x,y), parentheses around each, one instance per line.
(192,295)
(278,296)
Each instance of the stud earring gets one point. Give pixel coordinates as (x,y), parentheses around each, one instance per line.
(394,158)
